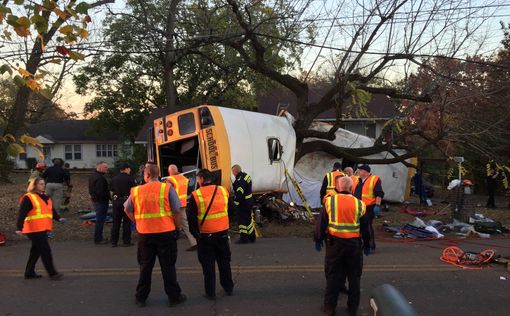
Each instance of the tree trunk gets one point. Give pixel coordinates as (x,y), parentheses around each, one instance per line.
(170,58)
(170,90)
(19,111)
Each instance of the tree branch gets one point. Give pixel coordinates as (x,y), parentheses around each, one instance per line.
(353,154)
(394,93)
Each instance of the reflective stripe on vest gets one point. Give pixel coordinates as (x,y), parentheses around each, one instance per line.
(331,178)
(161,213)
(38,218)
(367,192)
(340,208)
(355,181)
(180,184)
(217,218)
(153,213)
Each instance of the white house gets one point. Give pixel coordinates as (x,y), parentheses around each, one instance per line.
(75,141)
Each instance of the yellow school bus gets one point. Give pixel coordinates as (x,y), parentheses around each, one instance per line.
(216,138)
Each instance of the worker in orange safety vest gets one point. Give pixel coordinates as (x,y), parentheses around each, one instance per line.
(156,210)
(339,226)
(35,217)
(208,220)
(369,190)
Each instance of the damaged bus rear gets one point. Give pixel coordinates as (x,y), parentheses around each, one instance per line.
(217,138)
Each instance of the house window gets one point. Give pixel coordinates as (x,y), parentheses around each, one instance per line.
(370,127)
(356,127)
(106,150)
(72,152)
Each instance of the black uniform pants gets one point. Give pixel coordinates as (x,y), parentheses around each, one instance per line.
(215,248)
(245,222)
(120,217)
(40,248)
(342,262)
(367,230)
(163,246)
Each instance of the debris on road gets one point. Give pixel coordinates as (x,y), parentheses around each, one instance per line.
(415,229)
(273,208)
(467,260)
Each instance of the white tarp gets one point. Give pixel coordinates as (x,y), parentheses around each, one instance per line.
(311,169)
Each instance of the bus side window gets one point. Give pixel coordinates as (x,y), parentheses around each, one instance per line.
(275,149)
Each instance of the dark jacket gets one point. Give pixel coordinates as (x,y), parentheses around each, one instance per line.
(242,189)
(98,188)
(122,184)
(56,174)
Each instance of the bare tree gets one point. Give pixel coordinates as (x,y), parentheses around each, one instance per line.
(371,39)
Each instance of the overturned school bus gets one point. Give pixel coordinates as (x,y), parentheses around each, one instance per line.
(217,138)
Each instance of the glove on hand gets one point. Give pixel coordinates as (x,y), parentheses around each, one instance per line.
(377,210)
(319,245)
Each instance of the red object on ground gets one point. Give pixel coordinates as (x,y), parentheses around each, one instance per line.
(411,211)
(466,260)
(3,239)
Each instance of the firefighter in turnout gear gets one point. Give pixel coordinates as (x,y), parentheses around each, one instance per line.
(340,227)
(328,184)
(208,222)
(243,200)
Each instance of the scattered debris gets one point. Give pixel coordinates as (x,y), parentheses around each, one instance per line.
(414,230)
(467,260)
(272,208)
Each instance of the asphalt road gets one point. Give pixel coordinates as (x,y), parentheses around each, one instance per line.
(281,276)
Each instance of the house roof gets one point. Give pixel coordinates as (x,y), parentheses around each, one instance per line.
(379,108)
(61,131)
